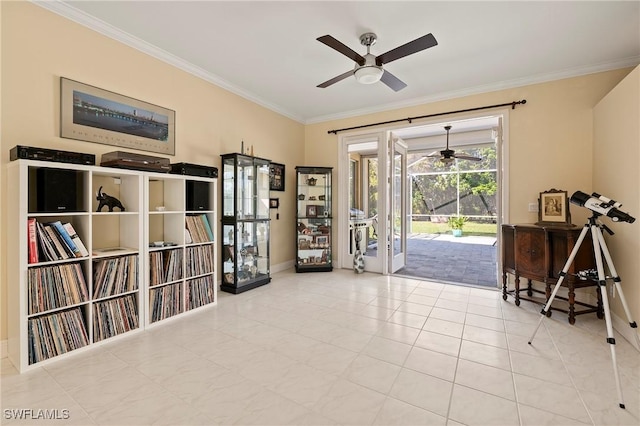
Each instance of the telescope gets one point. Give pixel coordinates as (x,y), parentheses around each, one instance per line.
(602,206)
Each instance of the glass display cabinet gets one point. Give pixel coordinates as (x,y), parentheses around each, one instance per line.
(245,223)
(314,222)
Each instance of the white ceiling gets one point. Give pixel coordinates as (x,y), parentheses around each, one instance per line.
(267,51)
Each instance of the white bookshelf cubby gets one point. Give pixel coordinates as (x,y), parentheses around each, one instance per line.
(181,268)
(60,305)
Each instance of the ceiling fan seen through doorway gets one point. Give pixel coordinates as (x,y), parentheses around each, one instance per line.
(368,68)
(448,156)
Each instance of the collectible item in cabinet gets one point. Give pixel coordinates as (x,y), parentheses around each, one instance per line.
(245,222)
(313,219)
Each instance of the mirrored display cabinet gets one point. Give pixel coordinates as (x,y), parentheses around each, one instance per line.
(245,223)
(314,221)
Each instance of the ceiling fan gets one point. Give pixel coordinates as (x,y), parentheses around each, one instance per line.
(368,69)
(448,156)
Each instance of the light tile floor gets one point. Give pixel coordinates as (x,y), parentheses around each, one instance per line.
(340,348)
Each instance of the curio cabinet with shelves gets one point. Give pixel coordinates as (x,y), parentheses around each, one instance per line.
(245,223)
(314,221)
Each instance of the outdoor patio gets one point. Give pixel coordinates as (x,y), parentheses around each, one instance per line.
(460,260)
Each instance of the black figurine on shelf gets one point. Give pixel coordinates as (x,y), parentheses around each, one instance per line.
(107,200)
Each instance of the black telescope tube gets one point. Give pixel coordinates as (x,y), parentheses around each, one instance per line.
(579,198)
(595,204)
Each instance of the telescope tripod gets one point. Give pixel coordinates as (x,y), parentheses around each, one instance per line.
(599,249)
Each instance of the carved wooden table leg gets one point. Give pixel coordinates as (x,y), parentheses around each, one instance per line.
(517,290)
(599,308)
(547,290)
(504,285)
(547,293)
(572,301)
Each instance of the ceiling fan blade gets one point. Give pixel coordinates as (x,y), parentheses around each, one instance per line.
(335,79)
(392,81)
(340,47)
(466,157)
(414,46)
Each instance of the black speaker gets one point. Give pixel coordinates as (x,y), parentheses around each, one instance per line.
(197,195)
(57,190)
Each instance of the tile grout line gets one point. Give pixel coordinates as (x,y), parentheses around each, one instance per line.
(564,364)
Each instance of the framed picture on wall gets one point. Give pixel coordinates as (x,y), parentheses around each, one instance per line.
(90,114)
(553,208)
(276,177)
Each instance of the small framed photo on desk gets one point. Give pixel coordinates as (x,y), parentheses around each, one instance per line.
(553,208)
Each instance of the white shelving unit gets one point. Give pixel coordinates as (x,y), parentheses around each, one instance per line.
(46,323)
(182,241)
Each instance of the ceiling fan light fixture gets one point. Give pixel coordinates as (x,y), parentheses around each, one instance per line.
(368,74)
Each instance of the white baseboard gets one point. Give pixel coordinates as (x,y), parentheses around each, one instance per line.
(622,327)
(3,349)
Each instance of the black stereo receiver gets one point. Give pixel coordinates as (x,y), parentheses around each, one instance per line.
(194,170)
(55,155)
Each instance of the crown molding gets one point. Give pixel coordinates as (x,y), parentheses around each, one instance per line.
(82,18)
(493,87)
(67,11)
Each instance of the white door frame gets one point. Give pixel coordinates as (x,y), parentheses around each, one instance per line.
(344,260)
(397,145)
(378,264)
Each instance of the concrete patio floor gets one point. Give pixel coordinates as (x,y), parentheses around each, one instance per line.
(469,260)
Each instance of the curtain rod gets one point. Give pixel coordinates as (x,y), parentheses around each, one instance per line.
(410,119)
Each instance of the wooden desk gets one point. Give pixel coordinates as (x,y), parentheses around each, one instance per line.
(538,253)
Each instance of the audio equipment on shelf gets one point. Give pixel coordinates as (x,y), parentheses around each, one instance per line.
(194,170)
(129,160)
(57,191)
(197,195)
(56,155)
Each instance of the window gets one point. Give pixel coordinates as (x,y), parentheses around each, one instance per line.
(465,187)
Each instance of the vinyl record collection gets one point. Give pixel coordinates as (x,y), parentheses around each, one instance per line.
(166,302)
(55,334)
(165,266)
(198,229)
(115,316)
(201,292)
(199,260)
(115,275)
(56,286)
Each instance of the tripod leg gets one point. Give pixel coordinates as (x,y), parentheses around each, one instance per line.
(598,250)
(618,284)
(563,273)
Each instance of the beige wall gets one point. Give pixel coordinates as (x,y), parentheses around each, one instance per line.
(38,47)
(616,156)
(550,143)
(550,138)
